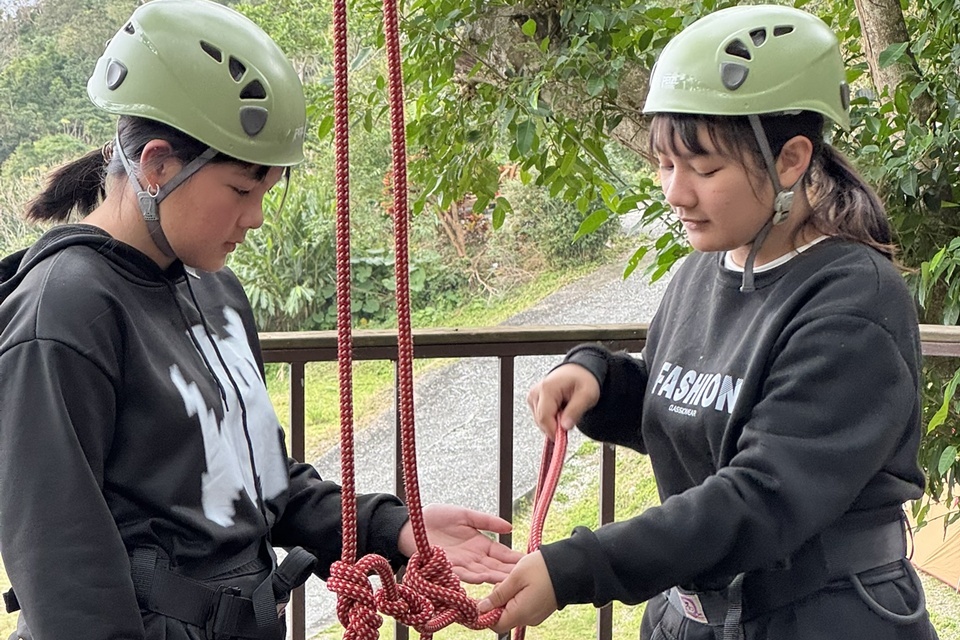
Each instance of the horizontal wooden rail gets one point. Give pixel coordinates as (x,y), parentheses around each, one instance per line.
(505,343)
(321,346)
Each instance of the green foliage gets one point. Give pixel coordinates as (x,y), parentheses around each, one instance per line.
(906,142)
(551,225)
(41,84)
(42,155)
(287,266)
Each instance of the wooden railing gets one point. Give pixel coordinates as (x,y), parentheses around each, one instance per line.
(505,344)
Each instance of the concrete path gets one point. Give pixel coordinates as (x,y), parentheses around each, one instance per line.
(456,413)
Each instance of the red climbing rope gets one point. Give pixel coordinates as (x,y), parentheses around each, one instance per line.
(551,464)
(431,596)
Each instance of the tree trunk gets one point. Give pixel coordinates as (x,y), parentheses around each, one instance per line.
(882,25)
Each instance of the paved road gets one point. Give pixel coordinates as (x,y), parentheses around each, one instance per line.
(456,411)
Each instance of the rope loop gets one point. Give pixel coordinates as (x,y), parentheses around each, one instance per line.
(356,604)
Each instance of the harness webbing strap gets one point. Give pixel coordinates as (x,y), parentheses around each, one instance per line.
(219,608)
(836,554)
(732,629)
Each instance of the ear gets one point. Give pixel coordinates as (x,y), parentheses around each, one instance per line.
(794,160)
(158,163)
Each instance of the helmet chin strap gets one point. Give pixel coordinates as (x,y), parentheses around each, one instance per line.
(781,204)
(149,199)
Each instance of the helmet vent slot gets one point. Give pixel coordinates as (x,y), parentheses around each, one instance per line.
(733,75)
(782,31)
(211,51)
(237,69)
(759,36)
(253,91)
(739,49)
(253,119)
(116,74)
(129,28)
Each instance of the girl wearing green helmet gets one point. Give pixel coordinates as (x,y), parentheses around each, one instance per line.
(144,472)
(778,392)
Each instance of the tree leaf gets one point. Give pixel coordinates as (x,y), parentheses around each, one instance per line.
(529,27)
(595,84)
(892,54)
(947,458)
(526,132)
(326,125)
(592,222)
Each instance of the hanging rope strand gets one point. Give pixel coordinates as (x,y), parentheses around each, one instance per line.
(344,335)
(356,602)
(431,597)
(400,225)
(551,464)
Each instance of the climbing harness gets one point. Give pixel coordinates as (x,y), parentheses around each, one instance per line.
(430,596)
(837,556)
(551,464)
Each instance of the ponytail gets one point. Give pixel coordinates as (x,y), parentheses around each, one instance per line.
(76,186)
(843,204)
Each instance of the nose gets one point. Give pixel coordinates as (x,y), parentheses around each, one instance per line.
(677,189)
(252,218)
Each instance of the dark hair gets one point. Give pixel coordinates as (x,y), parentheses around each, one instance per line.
(842,202)
(81,185)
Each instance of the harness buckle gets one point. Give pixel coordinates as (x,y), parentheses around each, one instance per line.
(222,621)
(10,601)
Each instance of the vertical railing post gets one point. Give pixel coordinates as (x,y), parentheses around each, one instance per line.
(298,420)
(505,457)
(608,478)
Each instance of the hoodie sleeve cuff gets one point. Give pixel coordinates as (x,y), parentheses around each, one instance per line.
(591,357)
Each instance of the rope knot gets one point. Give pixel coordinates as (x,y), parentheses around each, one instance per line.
(356,604)
(433,577)
(404,604)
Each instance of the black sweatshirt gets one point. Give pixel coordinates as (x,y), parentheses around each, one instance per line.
(129,407)
(768,417)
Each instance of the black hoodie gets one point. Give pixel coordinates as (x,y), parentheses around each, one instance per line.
(769,417)
(131,399)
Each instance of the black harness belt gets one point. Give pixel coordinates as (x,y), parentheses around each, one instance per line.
(221,609)
(838,554)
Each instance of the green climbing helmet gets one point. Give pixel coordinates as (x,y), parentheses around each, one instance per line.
(210,72)
(747,60)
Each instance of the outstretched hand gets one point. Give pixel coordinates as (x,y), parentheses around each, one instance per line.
(527,595)
(474,557)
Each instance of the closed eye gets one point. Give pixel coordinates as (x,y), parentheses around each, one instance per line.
(241,192)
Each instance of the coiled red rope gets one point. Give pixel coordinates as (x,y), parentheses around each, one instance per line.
(431,596)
